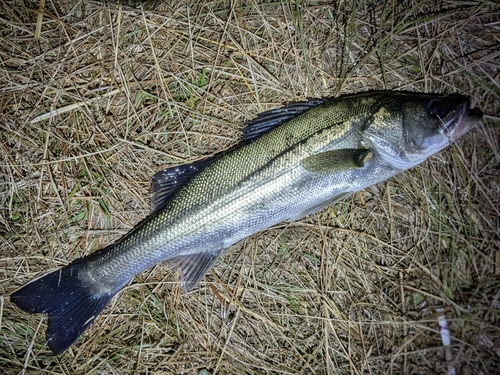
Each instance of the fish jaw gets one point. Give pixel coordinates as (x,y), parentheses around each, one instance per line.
(468,118)
(451,129)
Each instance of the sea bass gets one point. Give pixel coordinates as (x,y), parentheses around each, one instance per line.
(292,161)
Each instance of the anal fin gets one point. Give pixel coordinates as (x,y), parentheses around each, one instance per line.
(194,267)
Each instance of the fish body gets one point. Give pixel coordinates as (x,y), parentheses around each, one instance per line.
(292,161)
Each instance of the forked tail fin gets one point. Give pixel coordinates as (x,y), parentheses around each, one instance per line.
(71,305)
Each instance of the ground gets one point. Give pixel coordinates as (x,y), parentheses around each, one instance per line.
(96,96)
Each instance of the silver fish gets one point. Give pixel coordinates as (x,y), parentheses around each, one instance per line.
(292,161)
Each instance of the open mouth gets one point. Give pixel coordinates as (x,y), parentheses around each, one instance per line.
(467,119)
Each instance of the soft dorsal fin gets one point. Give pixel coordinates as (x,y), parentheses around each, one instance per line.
(165,183)
(268,120)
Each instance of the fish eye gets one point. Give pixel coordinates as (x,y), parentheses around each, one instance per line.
(437,109)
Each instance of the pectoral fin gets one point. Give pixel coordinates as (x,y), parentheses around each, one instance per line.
(337,160)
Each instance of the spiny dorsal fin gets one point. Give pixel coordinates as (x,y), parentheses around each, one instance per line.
(165,183)
(268,120)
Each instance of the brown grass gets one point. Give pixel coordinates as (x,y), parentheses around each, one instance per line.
(97,96)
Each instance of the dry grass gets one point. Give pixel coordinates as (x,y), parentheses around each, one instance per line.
(96,96)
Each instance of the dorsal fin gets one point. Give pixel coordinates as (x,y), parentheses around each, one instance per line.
(268,120)
(165,183)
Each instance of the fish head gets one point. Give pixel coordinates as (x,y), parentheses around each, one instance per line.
(407,130)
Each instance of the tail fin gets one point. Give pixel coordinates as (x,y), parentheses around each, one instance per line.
(71,305)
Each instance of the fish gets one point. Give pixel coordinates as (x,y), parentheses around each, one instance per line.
(292,161)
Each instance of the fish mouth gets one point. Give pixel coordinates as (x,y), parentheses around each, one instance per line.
(463,122)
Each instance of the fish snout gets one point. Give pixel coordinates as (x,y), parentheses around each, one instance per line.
(467,119)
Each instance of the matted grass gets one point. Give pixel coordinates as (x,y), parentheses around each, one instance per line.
(97,96)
